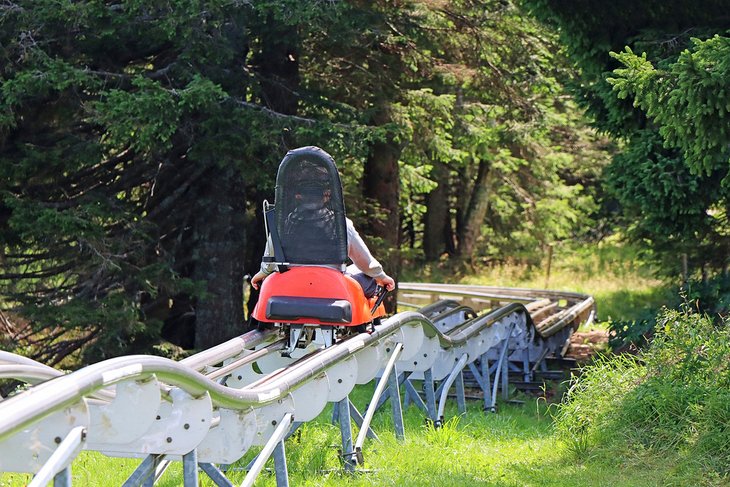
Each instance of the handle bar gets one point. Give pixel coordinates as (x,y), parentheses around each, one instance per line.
(380,293)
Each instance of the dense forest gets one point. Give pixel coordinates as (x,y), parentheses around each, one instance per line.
(138,140)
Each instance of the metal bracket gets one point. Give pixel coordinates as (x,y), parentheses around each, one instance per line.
(295,334)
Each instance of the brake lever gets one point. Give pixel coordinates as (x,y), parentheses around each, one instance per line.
(382,291)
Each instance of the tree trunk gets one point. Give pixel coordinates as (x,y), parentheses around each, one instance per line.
(436,222)
(463,191)
(217,259)
(381,183)
(278,66)
(476,211)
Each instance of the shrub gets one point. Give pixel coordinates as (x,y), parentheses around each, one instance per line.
(707,296)
(675,396)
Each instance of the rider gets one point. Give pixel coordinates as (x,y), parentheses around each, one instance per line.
(313,218)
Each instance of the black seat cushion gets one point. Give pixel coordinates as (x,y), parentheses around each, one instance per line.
(292,308)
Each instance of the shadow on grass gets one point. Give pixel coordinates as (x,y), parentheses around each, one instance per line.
(566,470)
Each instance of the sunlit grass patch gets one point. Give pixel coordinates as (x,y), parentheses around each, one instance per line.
(624,287)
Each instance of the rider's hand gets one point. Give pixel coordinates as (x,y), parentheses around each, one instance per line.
(387,282)
(257,279)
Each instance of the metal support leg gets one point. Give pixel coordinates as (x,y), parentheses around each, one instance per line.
(388,374)
(495,387)
(190,469)
(143,473)
(412,393)
(428,388)
(500,373)
(150,481)
(526,364)
(477,375)
(343,408)
(446,384)
(460,396)
(282,474)
(63,478)
(486,386)
(505,377)
(215,475)
(395,404)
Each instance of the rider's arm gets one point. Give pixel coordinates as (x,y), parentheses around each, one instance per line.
(364,260)
(266,266)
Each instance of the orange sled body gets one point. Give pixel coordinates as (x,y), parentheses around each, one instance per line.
(314,295)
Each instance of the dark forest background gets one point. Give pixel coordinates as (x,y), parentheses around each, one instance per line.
(138,140)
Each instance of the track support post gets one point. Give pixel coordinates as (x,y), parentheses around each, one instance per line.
(282,473)
(486,385)
(527,372)
(446,385)
(429,389)
(343,415)
(395,404)
(460,395)
(501,370)
(190,469)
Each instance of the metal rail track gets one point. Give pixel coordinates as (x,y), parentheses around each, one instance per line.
(210,408)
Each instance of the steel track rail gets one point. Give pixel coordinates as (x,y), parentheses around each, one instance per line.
(578,304)
(516,294)
(17,412)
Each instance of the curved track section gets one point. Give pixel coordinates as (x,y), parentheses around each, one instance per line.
(211,408)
